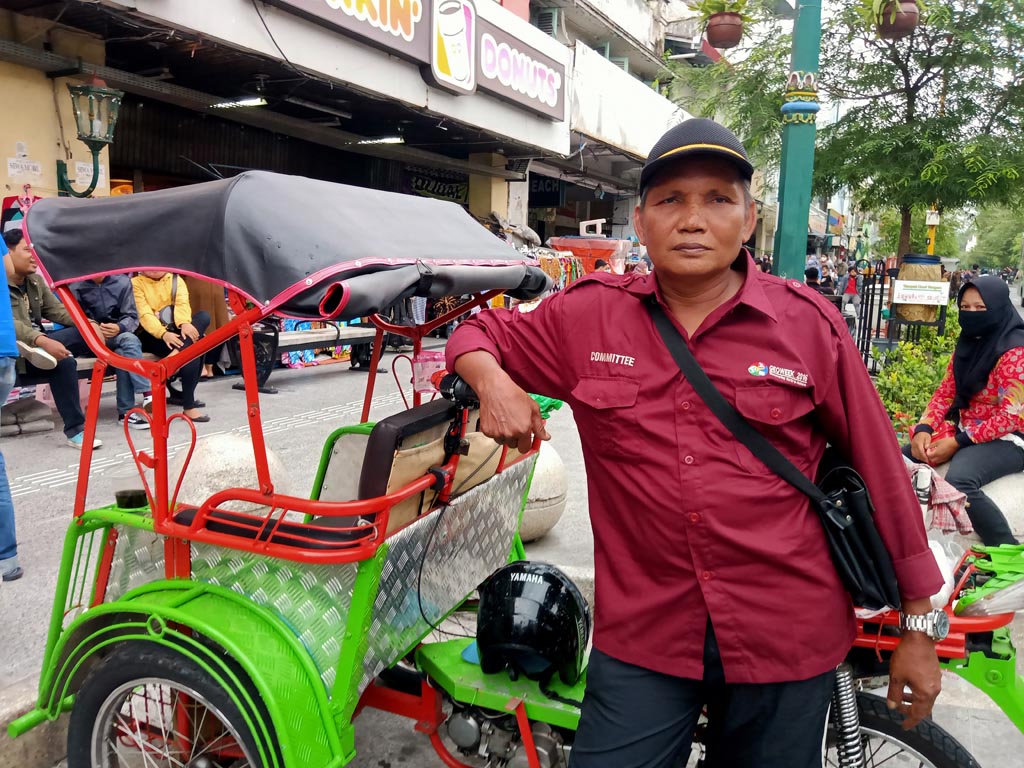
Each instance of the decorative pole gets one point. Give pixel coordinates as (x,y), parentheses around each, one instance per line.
(799,133)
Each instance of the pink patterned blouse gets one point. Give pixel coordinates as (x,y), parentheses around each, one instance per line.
(993,413)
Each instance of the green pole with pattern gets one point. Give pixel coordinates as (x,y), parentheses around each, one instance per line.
(798,136)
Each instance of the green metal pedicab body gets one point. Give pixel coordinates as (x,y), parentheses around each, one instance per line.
(294,644)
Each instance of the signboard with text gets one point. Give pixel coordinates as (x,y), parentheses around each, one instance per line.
(915,292)
(457,50)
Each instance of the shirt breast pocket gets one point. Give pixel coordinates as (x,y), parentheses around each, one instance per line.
(608,404)
(781,414)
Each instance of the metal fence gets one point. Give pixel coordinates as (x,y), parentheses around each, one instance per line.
(876,335)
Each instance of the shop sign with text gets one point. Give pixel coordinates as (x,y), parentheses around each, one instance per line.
(457,50)
(436,184)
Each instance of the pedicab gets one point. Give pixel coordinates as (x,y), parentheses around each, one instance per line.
(252,627)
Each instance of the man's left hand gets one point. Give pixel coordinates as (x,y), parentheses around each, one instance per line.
(914,665)
(941,451)
(189,331)
(109,330)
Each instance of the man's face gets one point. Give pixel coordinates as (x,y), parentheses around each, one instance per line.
(23,262)
(695,218)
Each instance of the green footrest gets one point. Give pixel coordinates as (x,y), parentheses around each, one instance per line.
(466,683)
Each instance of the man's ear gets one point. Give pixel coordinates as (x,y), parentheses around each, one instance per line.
(750,224)
(638,225)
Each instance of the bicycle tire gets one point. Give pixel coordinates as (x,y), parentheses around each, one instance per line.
(135,665)
(928,742)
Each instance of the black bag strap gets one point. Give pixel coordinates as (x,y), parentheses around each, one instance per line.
(174,292)
(757,443)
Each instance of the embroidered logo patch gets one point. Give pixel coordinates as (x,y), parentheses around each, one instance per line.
(788,375)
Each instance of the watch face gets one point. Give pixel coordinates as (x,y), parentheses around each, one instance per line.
(941,625)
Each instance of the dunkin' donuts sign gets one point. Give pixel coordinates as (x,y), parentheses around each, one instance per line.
(458,50)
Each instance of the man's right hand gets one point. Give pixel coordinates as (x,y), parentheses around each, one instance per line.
(507,413)
(919,447)
(54,347)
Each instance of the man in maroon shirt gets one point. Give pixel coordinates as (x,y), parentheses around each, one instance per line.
(714,584)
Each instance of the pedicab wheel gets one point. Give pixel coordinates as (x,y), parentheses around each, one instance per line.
(148,706)
(887,744)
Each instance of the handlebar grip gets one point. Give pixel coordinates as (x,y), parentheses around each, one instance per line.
(453,387)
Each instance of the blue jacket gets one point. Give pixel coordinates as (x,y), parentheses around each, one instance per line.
(8,345)
(110,301)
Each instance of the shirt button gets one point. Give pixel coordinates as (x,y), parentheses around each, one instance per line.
(694,517)
(707,575)
(686,405)
(688,460)
(776,413)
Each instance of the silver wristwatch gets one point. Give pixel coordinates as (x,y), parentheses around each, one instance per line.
(935,624)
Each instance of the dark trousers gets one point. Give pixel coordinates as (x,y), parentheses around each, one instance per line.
(635,718)
(190,373)
(63,380)
(974,466)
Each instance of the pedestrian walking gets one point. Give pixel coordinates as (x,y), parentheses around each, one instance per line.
(714,583)
(10,569)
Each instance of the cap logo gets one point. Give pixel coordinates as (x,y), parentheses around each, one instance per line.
(717,147)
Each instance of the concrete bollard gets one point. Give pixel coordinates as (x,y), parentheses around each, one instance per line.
(225,461)
(546,502)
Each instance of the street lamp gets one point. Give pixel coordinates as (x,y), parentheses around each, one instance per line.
(95,106)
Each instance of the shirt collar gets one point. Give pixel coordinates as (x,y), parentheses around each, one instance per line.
(751,292)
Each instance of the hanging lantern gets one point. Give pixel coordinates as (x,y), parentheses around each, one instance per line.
(96,107)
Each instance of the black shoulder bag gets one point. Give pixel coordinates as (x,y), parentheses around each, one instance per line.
(840,498)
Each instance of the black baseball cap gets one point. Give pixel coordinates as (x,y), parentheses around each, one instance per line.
(698,136)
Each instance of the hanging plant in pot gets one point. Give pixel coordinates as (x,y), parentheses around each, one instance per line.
(723,21)
(895,18)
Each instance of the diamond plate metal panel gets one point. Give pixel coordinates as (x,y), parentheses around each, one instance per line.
(433,564)
(138,559)
(313,600)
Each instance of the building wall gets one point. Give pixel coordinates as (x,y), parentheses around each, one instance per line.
(615,108)
(38,125)
(635,18)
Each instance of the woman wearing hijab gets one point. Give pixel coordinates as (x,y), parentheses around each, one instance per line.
(975,419)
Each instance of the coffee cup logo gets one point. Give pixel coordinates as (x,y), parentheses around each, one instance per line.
(453,51)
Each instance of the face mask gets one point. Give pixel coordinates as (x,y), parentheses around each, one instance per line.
(975,324)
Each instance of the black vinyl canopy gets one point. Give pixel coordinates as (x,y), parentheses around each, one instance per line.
(285,242)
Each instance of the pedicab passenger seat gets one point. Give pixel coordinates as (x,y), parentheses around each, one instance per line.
(403,447)
(285,534)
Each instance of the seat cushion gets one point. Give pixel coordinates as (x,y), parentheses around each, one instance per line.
(286,534)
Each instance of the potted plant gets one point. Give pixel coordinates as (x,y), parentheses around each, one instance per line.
(895,18)
(723,21)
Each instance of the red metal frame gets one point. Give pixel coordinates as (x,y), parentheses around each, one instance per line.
(426,710)
(416,333)
(256,533)
(871,632)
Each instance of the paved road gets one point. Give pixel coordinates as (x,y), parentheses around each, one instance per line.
(311,404)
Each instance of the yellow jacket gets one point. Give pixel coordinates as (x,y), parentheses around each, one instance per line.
(153,295)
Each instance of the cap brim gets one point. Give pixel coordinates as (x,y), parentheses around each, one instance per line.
(697,150)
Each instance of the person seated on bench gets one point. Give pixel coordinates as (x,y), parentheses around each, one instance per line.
(110,303)
(47,356)
(159,293)
(975,419)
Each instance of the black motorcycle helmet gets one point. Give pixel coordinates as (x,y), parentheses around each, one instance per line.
(533,621)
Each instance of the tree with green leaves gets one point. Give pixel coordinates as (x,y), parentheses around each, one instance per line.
(949,240)
(936,118)
(999,232)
